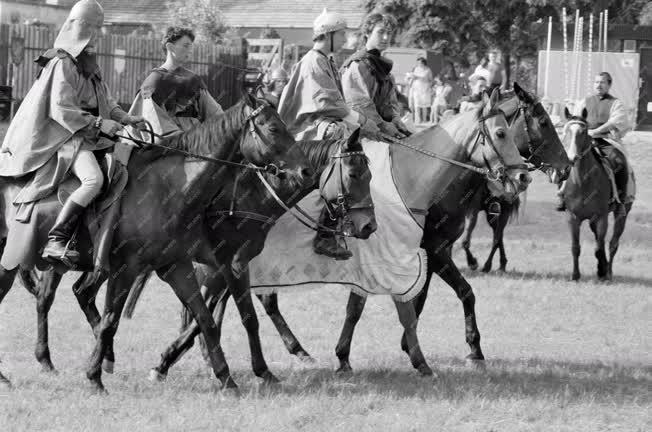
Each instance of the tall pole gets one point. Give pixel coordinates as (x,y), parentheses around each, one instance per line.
(580,55)
(606,47)
(571,95)
(600,32)
(565,31)
(545,90)
(590,58)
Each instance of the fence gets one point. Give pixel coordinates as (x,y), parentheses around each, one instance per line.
(125,62)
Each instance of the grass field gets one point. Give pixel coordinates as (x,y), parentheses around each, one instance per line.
(561,356)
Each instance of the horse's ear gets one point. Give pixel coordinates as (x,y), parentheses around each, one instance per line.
(567,113)
(353,138)
(495,97)
(585,113)
(523,94)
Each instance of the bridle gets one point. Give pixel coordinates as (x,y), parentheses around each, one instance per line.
(584,125)
(533,159)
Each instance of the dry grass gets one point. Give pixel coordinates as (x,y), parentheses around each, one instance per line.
(562,356)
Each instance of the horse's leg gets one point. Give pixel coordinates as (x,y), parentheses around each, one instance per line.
(445,267)
(49,283)
(86,289)
(574,223)
(500,233)
(181,277)
(619,228)
(420,301)
(599,227)
(408,318)
(239,288)
(292,344)
(494,222)
(471,221)
(117,291)
(6,282)
(354,309)
(183,343)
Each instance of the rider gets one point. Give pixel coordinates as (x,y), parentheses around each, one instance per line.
(278,79)
(313,107)
(607,122)
(367,82)
(64,118)
(478,85)
(173,98)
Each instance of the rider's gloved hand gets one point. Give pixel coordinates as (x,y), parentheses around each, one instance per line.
(109,127)
(137,122)
(390,129)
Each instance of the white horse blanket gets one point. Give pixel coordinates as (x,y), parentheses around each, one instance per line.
(390,262)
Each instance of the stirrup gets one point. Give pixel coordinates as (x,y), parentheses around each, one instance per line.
(494,209)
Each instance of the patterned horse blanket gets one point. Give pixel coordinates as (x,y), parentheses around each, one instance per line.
(390,262)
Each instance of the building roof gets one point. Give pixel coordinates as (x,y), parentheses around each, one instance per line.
(239,13)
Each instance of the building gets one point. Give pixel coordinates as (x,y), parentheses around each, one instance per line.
(45,12)
(250,18)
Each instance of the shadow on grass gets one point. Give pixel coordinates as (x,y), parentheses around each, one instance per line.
(558,277)
(539,379)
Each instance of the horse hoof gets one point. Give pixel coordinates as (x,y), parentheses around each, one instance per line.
(49,370)
(345,368)
(108,366)
(425,371)
(486,269)
(473,266)
(575,277)
(477,364)
(304,357)
(98,389)
(156,376)
(230,393)
(269,378)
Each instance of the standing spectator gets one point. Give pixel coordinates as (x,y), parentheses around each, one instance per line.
(481,69)
(478,85)
(497,75)
(421,90)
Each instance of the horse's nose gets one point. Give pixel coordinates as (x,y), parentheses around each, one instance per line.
(524,178)
(307,173)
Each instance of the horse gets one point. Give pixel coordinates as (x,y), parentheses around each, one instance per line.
(588,196)
(423,182)
(159,227)
(499,212)
(238,219)
(538,141)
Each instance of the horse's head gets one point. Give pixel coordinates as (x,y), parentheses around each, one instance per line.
(267,142)
(344,185)
(536,137)
(576,135)
(508,174)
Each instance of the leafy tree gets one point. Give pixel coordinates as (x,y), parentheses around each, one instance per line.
(203,16)
(645,17)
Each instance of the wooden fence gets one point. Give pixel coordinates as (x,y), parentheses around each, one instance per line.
(125,62)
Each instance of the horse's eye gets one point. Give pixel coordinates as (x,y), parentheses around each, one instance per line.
(500,133)
(543,123)
(273,129)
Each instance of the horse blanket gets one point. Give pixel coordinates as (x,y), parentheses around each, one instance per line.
(390,262)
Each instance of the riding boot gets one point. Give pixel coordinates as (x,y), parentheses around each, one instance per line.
(325,243)
(59,246)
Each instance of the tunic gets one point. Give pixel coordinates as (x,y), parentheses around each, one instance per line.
(313,99)
(53,123)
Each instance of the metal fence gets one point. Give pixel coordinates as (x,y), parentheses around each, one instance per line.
(125,62)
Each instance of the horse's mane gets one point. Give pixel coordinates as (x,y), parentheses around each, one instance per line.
(319,151)
(224,126)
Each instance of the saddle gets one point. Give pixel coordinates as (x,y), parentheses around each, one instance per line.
(27,231)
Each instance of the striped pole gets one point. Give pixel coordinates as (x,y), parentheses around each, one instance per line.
(545,91)
(590,58)
(606,47)
(565,31)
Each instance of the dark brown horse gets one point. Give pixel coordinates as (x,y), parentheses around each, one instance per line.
(426,182)
(533,131)
(588,196)
(237,221)
(535,138)
(161,220)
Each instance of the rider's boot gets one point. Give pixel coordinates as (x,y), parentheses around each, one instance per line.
(59,247)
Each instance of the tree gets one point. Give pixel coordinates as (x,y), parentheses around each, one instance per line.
(203,16)
(464,30)
(645,17)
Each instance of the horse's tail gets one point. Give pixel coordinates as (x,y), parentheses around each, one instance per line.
(134,294)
